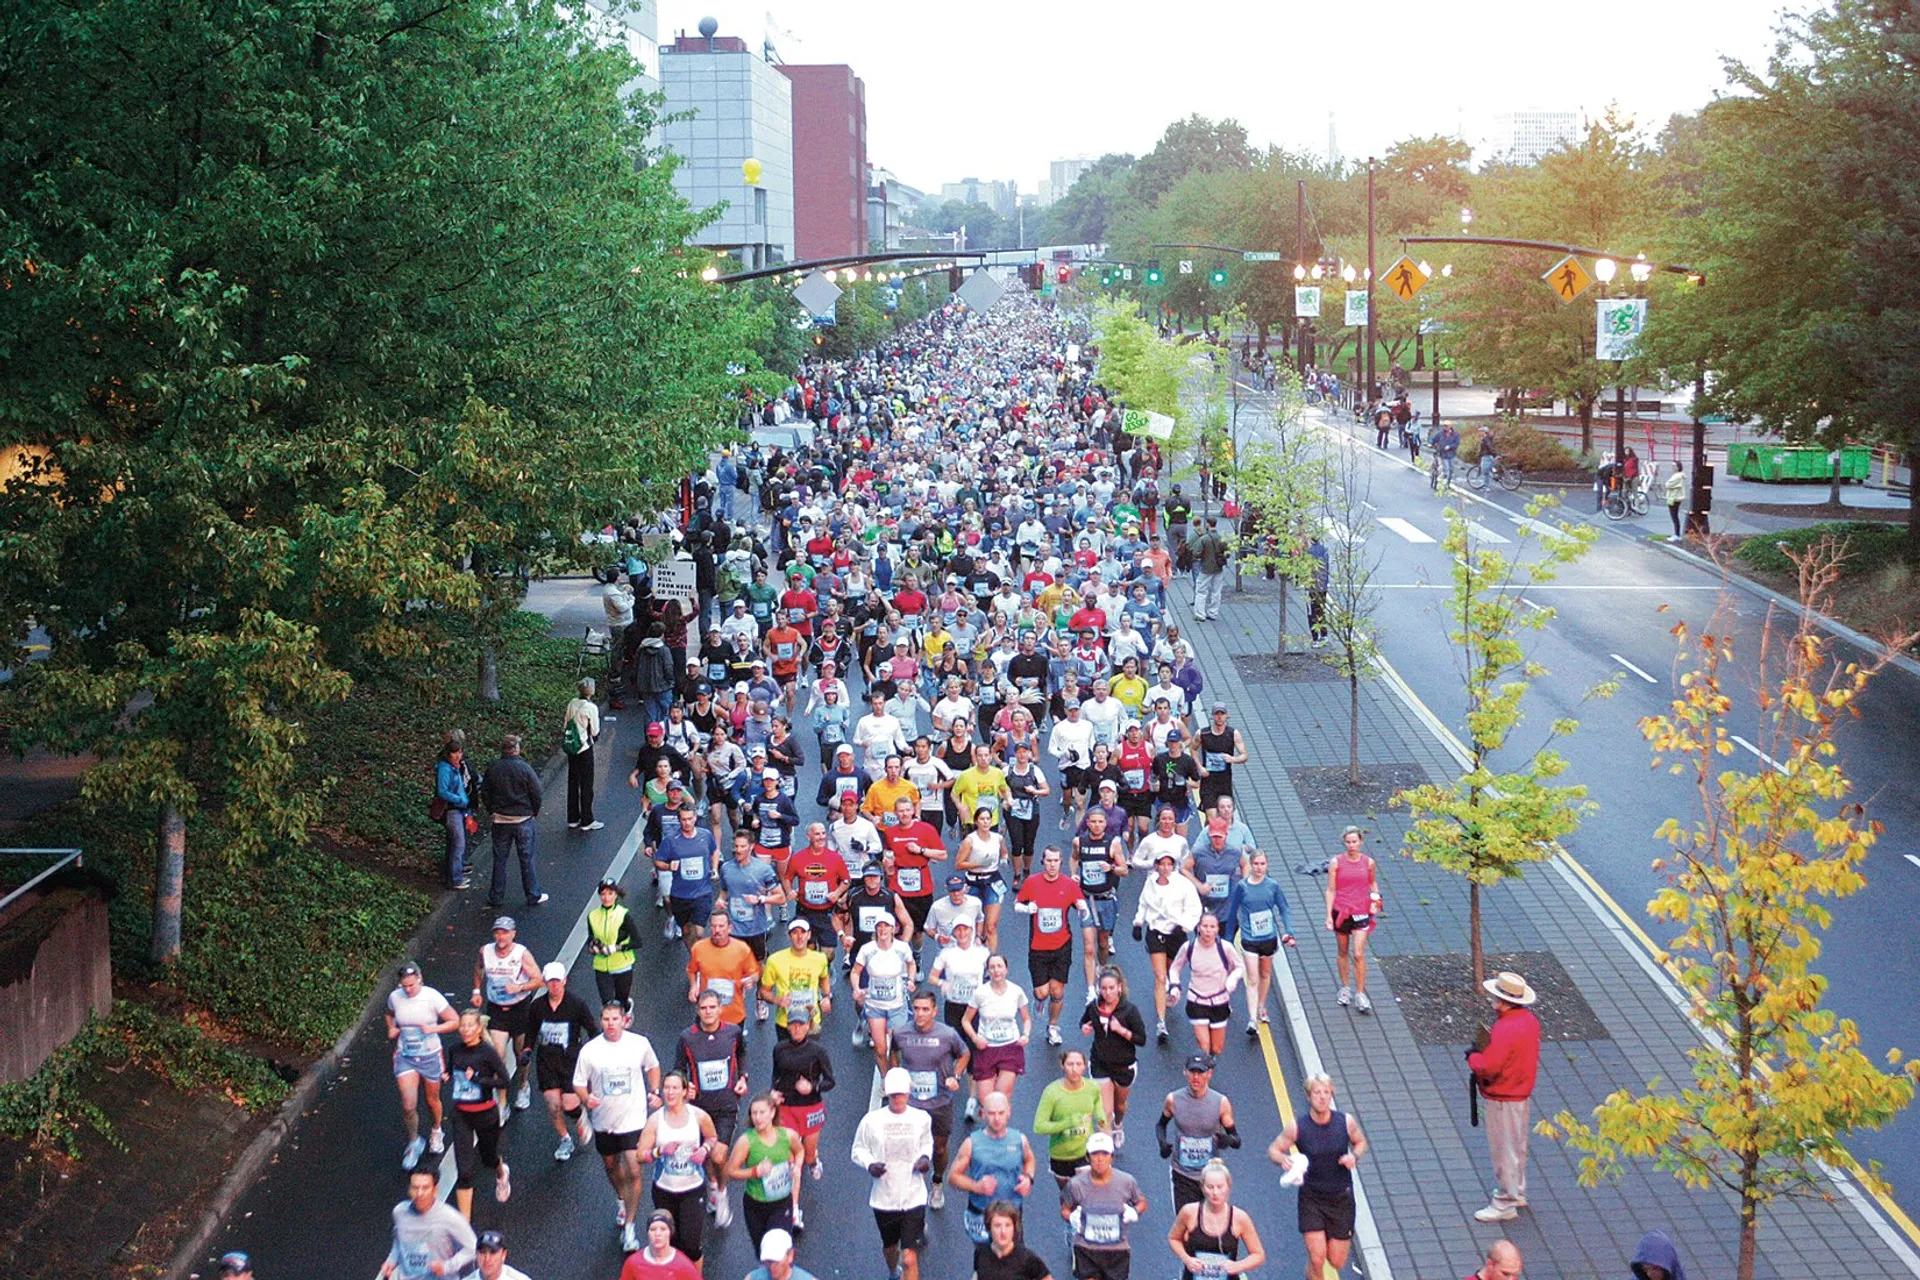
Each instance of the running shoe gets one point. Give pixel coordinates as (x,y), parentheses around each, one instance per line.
(411,1155)
(463,883)
(938,1199)
(586,1129)
(629,1239)
(1053,1033)
(1160,1033)
(619,1213)
(1253,1028)
(523,1099)
(818,1173)
(565,1150)
(858,1037)
(723,1211)
(503,1183)
(534,902)
(1119,1138)
(593,826)
(973,1110)
(1346,995)
(1361,1002)
(1263,1016)
(436,1143)
(762,1015)
(573,826)
(672,930)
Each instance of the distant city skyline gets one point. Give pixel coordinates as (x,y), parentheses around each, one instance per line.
(1010,115)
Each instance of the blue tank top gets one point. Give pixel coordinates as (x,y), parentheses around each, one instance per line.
(1001,1157)
(1324,1145)
(1217,871)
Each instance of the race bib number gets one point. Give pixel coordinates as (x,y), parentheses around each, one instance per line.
(1102,1228)
(554,1034)
(778,1184)
(883,990)
(911,879)
(676,1164)
(1051,919)
(1195,1152)
(1217,885)
(814,892)
(1215,762)
(722,987)
(716,671)
(1021,807)
(783,650)
(799,1002)
(413,1042)
(740,909)
(713,1075)
(617,1084)
(962,988)
(1133,779)
(1001,1031)
(832,734)
(415,1261)
(844,786)
(1093,872)
(465,1090)
(1259,924)
(870,918)
(691,869)
(925,1085)
(1213,1266)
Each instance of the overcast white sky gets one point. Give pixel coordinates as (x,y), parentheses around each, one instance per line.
(997,88)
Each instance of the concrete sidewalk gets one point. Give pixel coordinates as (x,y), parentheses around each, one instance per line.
(1428,1170)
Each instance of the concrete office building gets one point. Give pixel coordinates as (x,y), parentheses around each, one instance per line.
(891,205)
(1061,175)
(829,160)
(740,108)
(1001,197)
(1522,137)
(636,28)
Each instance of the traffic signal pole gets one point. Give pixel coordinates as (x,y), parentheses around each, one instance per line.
(1370,374)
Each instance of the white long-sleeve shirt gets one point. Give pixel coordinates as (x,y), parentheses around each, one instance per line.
(1166,907)
(1071,744)
(898,1140)
(440,1234)
(878,737)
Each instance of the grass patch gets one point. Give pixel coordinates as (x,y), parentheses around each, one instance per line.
(50,1109)
(1870,547)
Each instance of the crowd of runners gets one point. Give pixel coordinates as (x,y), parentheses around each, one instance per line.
(964,603)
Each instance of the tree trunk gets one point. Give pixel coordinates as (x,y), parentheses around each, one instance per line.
(1749,1238)
(169,885)
(1586,425)
(489,674)
(1833,483)
(1353,720)
(1473,929)
(1281,654)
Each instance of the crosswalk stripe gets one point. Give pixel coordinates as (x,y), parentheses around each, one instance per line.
(1404,529)
(1485,534)
(1538,527)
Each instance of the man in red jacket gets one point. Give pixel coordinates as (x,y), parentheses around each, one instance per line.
(1505,1070)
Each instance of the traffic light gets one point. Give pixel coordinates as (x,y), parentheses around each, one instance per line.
(1219,277)
(1064,275)
(1153,271)
(1034,275)
(955,278)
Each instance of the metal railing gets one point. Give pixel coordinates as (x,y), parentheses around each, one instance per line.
(66,856)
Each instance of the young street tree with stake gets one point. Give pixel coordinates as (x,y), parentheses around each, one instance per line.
(1281,482)
(1779,1081)
(1348,639)
(1487,825)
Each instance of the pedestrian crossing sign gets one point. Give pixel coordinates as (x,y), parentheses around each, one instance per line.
(1406,278)
(1568,278)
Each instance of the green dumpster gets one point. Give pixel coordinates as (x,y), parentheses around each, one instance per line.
(1775,463)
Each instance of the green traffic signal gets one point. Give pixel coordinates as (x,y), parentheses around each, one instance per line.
(1219,276)
(1153,275)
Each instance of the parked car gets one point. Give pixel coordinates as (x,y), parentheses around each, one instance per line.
(788,436)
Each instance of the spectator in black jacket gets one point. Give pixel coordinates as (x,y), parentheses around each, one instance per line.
(512,792)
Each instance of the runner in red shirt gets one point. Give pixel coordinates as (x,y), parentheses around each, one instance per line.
(911,846)
(817,880)
(1137,782)
(1048,897)
(800,604)
(910,600)
(785,645)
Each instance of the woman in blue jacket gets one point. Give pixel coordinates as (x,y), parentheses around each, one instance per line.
(452,792)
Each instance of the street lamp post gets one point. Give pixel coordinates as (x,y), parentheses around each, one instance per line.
(1370,278)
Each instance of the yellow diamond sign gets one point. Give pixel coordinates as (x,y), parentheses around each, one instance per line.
(1405,278)
(1568,278)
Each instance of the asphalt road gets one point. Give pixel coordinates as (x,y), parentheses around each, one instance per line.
(325,1201)
(1615,611)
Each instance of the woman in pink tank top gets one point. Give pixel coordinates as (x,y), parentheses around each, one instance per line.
(1352,898)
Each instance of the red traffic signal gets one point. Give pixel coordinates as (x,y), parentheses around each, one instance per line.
(1064,275)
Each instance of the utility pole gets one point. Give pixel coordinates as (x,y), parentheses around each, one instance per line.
(1702,483)
(1300,258)
(1370,277)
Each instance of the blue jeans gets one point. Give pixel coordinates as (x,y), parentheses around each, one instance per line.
(456,824)
(507,837)
(655,706)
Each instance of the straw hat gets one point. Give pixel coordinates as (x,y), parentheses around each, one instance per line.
(1510,988)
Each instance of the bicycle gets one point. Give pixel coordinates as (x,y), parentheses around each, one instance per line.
(1622,500)
(1506,476)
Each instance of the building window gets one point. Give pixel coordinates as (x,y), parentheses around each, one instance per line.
(760,206)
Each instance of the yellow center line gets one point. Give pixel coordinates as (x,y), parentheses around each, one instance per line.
(1275,1076)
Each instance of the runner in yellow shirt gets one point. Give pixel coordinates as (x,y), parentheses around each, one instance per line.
(985,783)
(796,978)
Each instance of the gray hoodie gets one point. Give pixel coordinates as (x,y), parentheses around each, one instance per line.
(421,1239)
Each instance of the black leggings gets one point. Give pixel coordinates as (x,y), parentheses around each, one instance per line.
(614,986)
(764,1215)
(580,787)
(1021,834)
(689,1210)
(471,1129)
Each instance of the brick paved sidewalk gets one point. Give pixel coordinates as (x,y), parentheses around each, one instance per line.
(1428,1170)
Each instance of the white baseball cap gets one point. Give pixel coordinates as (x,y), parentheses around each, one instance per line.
(554,972)
(897,1081)
(775,1246)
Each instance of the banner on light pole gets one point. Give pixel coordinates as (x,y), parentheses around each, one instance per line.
(1617,326)
(1356,307)
(1306,301)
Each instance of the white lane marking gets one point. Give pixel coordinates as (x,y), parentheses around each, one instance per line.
(1483,533)
(1368,505)
(569,953)
(1629,666)
(1539,527)
(1404,529)
(1913,858)
(1778,767)
(1537,608)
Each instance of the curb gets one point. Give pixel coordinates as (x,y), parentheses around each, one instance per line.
(1366,1231)
(266,1143)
